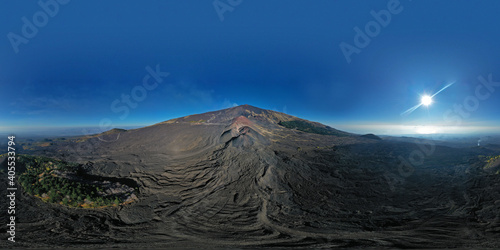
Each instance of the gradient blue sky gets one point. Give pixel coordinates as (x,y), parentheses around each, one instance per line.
(282,55)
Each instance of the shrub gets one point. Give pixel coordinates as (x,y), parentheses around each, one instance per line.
(40,177)
(310,128)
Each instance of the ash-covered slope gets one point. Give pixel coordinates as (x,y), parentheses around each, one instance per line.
(236,177)
(192,136)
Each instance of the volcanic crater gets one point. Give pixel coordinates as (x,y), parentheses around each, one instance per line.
(236,177)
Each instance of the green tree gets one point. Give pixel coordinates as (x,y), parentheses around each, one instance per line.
(52,196)
(74,196)
(100,201)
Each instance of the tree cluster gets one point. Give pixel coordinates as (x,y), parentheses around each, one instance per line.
(49,179)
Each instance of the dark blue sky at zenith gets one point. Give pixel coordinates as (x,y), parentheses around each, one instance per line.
(282,55)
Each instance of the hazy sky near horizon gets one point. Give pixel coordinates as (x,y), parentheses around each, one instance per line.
(73,63)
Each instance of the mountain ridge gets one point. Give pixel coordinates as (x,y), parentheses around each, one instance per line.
(261,117)
(237,177)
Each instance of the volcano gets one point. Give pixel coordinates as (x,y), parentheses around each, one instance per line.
(249,177)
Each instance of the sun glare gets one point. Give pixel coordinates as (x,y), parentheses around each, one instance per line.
(426,100)
(426,130)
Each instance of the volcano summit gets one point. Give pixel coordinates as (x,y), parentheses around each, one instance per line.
(245,176)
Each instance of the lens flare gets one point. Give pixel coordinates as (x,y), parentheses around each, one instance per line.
(426,100)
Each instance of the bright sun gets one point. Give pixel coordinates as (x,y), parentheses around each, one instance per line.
(426,100)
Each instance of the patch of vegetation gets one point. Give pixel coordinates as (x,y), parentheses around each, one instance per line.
(200,121)
(55,181)
(114,131)
(490,161)
(310,128)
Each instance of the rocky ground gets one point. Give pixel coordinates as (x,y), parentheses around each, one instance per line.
(236,178)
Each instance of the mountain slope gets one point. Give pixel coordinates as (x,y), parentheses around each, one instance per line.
(236,177)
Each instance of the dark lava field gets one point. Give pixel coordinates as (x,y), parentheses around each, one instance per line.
(246,178)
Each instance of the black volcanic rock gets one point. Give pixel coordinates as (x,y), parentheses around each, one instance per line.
(236,178)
